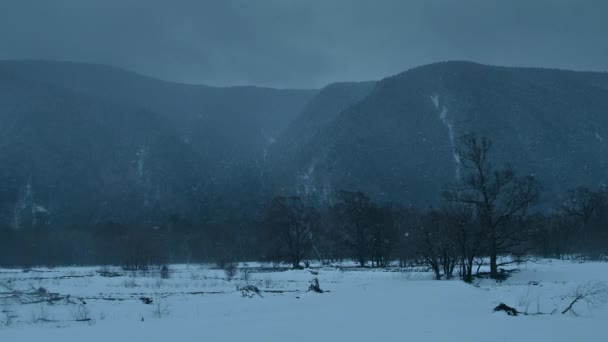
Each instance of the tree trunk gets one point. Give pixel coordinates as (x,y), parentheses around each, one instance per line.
(436,268)
(361,261)
(469,270)
(493,265)
(493,254)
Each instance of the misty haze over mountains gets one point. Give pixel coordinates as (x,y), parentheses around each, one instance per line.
(82,144)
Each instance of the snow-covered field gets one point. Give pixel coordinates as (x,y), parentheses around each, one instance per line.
(198,303)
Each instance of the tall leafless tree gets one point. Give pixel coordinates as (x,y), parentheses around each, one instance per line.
(292,223)
(353,215)
(498,196)
(383,236)
(467,235)
(589,209)
(581,202)
(436,244)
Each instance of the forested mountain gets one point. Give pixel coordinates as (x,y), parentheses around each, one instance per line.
(70,159)
(397,143)
(83,144)
(293,157)
(222,124)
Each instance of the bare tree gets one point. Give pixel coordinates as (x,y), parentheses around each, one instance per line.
(429,248)
(292,223)
(437,244)
(407,221)
(468,237)
(588,208)
(497,196)
(353,214)
(581,202)
(383,236)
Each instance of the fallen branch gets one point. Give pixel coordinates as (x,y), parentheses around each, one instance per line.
(591,293)
(249,291)
(33,296)
(46,320)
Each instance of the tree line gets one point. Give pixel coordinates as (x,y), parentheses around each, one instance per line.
(488,213)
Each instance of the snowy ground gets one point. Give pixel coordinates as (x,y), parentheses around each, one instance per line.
(198,304)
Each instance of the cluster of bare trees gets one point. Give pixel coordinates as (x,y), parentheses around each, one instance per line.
(485,215)
(291,223)
(355,227)
(498,199)
(365,229)
(577,227)
(444,239)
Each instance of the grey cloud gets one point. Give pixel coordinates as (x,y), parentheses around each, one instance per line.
(297,43)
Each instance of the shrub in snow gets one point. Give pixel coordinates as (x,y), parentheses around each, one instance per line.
(164,272)
(7,313)
(246,275)
(230,269)
(129,282)
(161,309)
(81,313)
(268,282)
(105,271)
(41,314)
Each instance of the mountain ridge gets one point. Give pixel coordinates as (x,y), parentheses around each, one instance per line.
(435,104)
(149,150)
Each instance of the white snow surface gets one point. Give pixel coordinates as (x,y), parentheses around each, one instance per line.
(200,304)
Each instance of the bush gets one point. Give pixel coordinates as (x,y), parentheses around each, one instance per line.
(41,314)
(230,269)
(7,312)
(246,275)
(81,313)
(161,309)
(164,272)
(130,282)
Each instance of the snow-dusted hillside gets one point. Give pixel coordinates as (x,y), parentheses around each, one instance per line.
(199,304)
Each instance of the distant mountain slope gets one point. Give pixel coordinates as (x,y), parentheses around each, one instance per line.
(82,144)
(397,143)
(86,143)
(324,108)
(296,146)
(73,160)
(225,125)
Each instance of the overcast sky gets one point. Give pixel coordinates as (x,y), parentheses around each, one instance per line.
(299,43)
